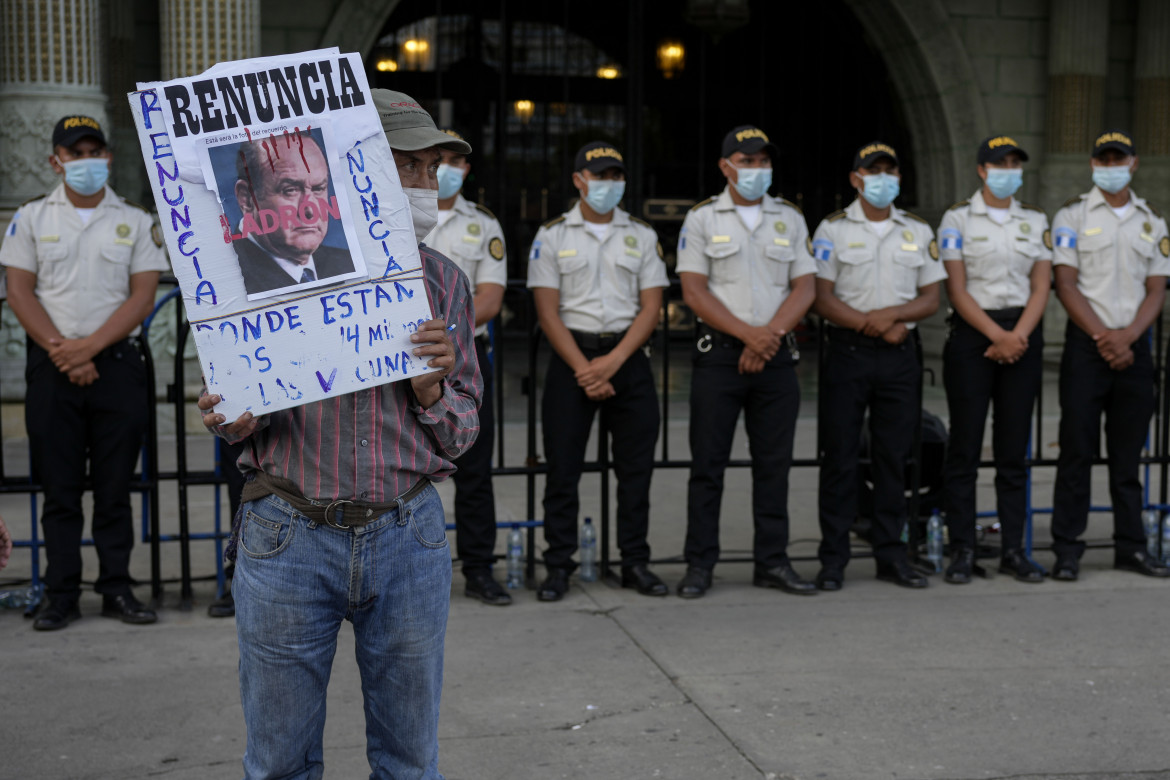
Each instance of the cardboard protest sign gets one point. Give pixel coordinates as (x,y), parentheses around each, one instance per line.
(287,228)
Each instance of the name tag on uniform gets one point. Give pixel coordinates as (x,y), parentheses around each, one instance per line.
(1147,237)
(909,247)
(978,238)
(123,242)
(567,253)
(856,244)
(633,253)
(50,239)
(470,240)
(1094,231)
(781,242)
(720,239)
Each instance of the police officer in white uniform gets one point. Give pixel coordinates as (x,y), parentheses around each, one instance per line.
(878,274)
(747,272)
(472,238)
(997,253)
(83,266)
(596,275)
(1112,260)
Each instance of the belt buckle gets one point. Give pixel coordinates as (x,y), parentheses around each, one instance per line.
(333,505)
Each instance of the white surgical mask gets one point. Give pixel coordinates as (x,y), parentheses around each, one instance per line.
(424,210)
(752,183)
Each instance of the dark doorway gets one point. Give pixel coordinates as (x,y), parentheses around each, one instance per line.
(528,82)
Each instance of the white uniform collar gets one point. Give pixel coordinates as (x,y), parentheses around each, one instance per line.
(57,195)
(857,214)
(463,206)
(979,206)
(573,216)
(1096,198)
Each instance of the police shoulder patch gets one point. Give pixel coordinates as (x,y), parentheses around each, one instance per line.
(933,249)
(1047,239)
(793,205)
(659,250)
(156,235)
(496,248)
(1164,246)
(1072,201)
(485,210)
(915,217)
(959,205)
(836,215)
(1031,207)
(808,244)
(702,203)
(554,221)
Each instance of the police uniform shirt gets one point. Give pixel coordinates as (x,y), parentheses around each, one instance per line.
(473,239)
(871,271)
(83,270)
(749,271)
(600,280)
(1113,256)
(998,258)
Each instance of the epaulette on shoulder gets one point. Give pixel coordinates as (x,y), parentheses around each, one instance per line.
(136,205)
(554,221)
(1031,207)
(641,222)
(787,202)
(958,205)
(485,210)
(702,203)
(1072,201)
(915,217)
(33,200)
(836,215)
(1153,210)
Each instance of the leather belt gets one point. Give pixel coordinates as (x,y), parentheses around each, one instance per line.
(597,340)
(354,513)
(709,337)
(854,339)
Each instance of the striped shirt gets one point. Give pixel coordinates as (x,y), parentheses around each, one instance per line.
(374,445)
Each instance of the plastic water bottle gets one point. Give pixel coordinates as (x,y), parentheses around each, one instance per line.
(17,599)
(934,540)
(1166,539)
(515,558)
(1153,529)
(587,552)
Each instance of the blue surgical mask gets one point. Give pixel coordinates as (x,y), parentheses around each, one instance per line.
(87,176)
(1112,178)
(1003,182)
(881,189)
(604,194)
(450,181)
(752,183)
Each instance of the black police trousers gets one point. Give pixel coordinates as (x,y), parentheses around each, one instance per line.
(475,503)
(860,373)
(770,401)
(973,383)
(1088,387)
(566,418)
(67,425)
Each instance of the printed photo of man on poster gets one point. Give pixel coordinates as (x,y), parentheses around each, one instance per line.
(283,222)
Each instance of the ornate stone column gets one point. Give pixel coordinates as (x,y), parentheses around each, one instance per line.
(50,65)
(196,34)
(1151,110)
(1078,42)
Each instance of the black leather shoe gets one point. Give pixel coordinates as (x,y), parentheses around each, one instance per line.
(1015,563)
(1141,563)
(127,609)
(57,614)
(222,607)
(481,585)
(901,573)
(962,566)
(555,586)
(830,579)
(785,578)
(643,580)
(1067,567)
(694,583)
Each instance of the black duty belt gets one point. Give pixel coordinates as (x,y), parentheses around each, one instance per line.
(597,340)
(709,337)
(854,339)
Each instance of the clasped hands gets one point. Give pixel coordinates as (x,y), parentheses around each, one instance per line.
(1116,348)
(74,358)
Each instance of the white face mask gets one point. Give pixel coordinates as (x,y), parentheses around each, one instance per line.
(424,210)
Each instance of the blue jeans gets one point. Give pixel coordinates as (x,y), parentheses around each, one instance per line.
(295,581)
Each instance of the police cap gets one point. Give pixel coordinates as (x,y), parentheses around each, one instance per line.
(597,156)
(871,153)
(1114,139)
(71,129)
(997,147)
(748,139)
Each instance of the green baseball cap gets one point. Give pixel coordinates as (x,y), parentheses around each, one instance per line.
(409,127)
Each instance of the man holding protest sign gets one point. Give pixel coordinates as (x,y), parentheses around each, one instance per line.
(341,522)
